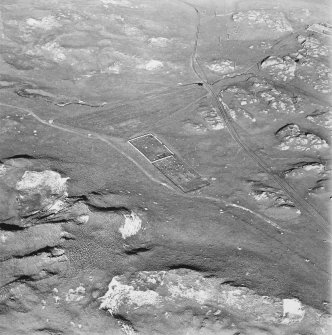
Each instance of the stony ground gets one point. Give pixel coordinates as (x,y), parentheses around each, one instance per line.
(218,222)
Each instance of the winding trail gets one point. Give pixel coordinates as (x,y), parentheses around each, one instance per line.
(114,142)
(119,145)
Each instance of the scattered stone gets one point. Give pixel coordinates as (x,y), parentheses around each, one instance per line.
(212,119)
(259,85)
(321,28)
(240,97)
(264,45)
(271,19)
(321,118)
(268,196)
(238,113)
(276,100)
(299,14)
(126,328)
(306,170)
(321,187)
(288,130)
(242,104)
(312,47)
(161,42)
(9,126)
(133,31)
(194,127)
(50,50)
(292,138)
(75,295)
(114,68)
(223,67)
(280,68)
(312,62)
(315,74)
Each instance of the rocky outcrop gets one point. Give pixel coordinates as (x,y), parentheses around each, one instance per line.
(34,203)
(183,301)
(301,170)
(272,201)
(273,21)
(291,137)
(282,69)
(36,196)
(321,118)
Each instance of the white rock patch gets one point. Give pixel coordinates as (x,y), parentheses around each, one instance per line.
(151,65)
(46,23)
(159,41)
(3,170)
(48,185)
(114,68)
(51,50)
(119,294)
(33,180)
(4,236)
(131,226)
(293,311)
(75,295)
(83,218)
(56,206)
(310,169)
(318,168)
(223,67)
(123,3)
